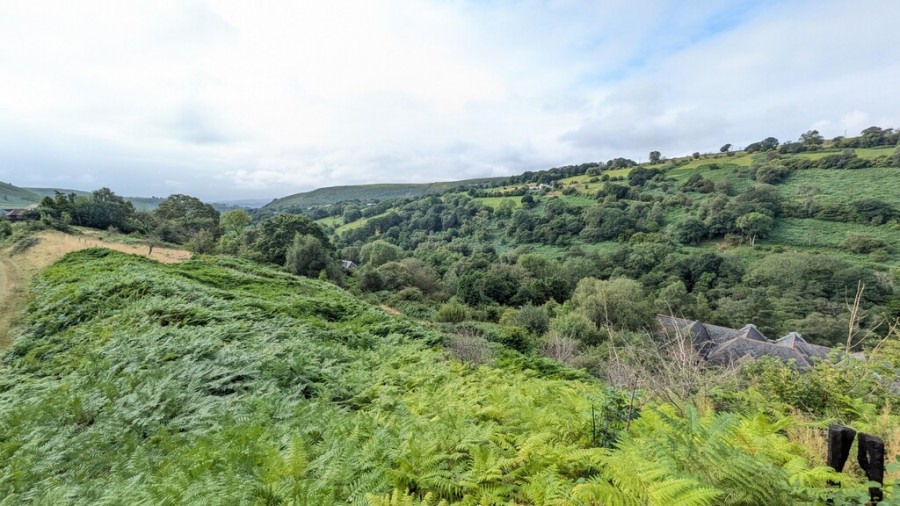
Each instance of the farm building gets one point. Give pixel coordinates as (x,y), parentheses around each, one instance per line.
(14,214)
(724,346)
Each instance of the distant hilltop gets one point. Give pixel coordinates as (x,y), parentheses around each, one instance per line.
(368,193)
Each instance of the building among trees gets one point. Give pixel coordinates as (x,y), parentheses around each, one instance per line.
(724,346)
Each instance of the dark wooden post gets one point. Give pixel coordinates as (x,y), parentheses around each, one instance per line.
(870,451)
(840,439)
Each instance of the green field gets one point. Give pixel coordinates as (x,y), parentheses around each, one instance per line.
(845,185)
(353,225)
(331,221)
(494,202)
(819,235)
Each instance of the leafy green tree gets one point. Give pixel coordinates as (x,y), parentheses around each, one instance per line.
(690,230)
(202,242)
(533,318)
(655,157)
(725,148)
(812,138)
(640,175)
(754,225)
(501,283)
(379,252)
(186,216)
(619,303)
(606,223)
(575,325)
(308,256)
(276,234)
(410,272)
(235,220)
(179,206)
(872,211)
(528,201)
(505,209)
(768,144)
(673,299)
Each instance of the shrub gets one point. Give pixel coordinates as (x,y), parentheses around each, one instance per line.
(452,312)
(862,243)
(562,349)
(5,227)
(574,325)
(532,318)
(471,348)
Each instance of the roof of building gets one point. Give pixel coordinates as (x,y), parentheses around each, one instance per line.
(724,345)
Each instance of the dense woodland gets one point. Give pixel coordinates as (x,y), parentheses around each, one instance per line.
(524,366)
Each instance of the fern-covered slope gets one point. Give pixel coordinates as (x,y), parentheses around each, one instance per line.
(220,381)
(216,380)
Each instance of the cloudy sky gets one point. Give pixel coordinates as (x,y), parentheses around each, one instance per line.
(229,99)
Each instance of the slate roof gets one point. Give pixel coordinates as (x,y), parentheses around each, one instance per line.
(723,345)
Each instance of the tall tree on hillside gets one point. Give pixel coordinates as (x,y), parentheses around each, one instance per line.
(182,217)
(754,225)
(276,234)
(308,256)
(768,144)
(724,149)
(812,138)
(655,157)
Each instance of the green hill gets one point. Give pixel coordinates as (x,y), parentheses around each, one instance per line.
(140,203)
(50,192)
(221,381)
(13,196)
(367,193)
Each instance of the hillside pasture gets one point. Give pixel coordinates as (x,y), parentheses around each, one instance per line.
(838,186)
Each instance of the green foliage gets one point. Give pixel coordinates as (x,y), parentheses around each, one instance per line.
(705,459)
(690,230)
(863,243)
(102,209)
(379,252)
(276,234)
(574,325)
(307,256)
(452,312)
(534,319)
(841,388)
(218,380)
(235,220)
(619,303)
(755,224)
(6,229)
(182,219)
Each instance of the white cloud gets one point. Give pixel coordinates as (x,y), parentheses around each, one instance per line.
(235,99)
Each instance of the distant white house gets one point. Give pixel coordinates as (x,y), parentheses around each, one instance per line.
(348,264)
(539,188)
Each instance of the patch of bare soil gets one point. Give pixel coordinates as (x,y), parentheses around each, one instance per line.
(390,310)
(18,265)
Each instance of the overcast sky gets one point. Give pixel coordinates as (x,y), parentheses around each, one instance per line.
(235,99)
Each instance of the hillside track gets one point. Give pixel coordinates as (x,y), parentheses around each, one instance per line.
(16,270)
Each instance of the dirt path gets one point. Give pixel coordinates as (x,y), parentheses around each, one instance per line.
(16,270)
